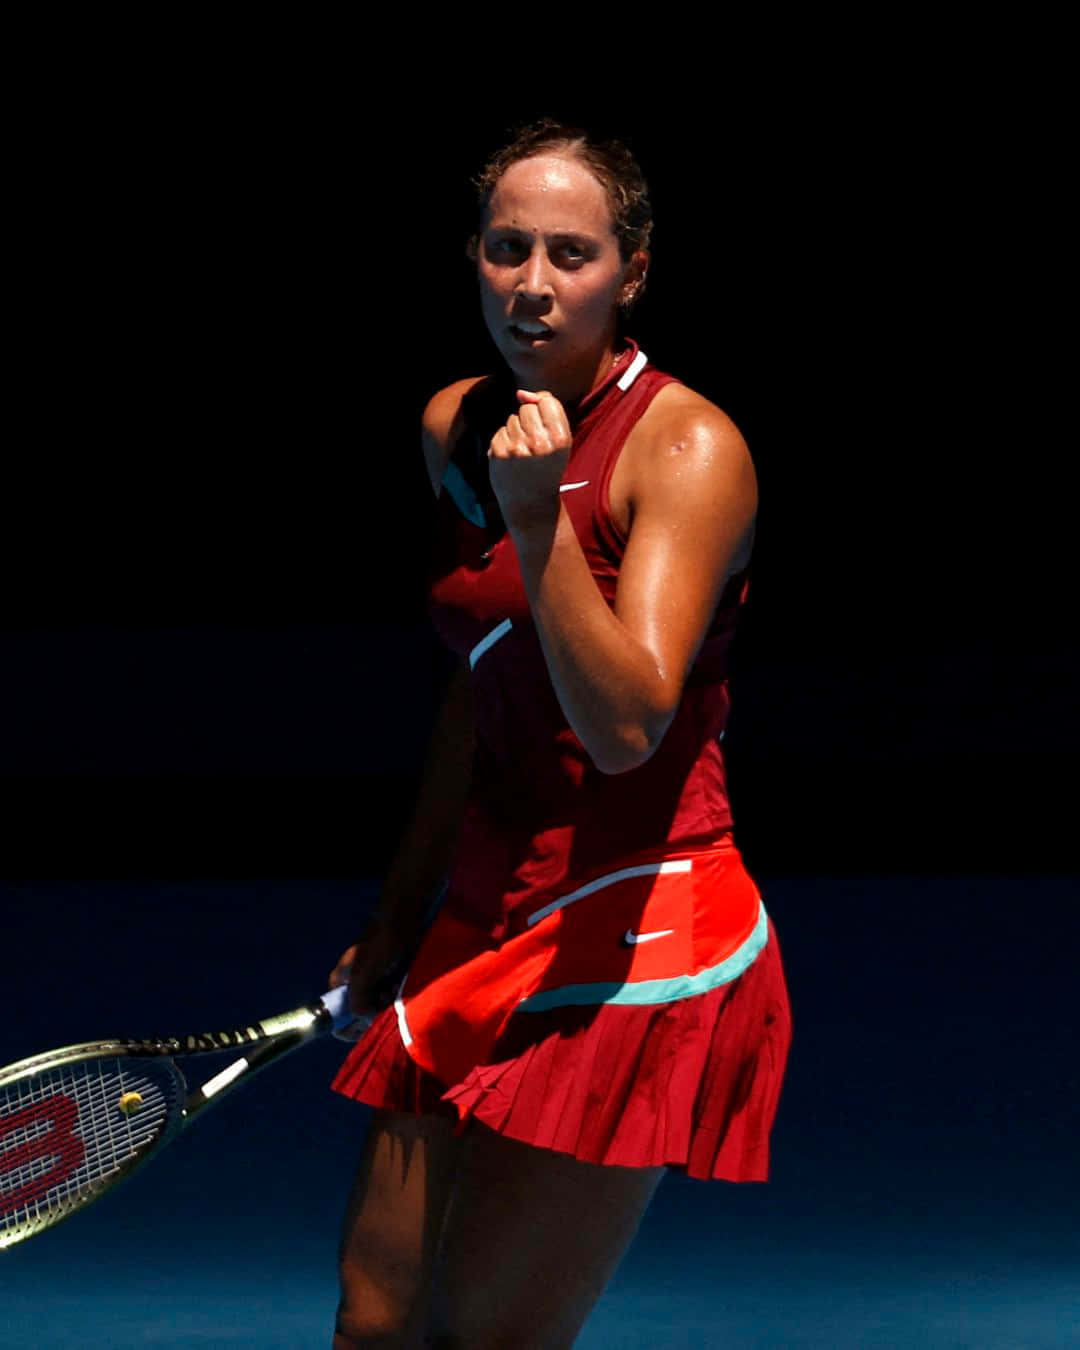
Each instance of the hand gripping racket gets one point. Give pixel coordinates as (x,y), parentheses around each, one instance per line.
(75,1121)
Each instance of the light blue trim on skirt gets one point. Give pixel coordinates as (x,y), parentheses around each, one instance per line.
(657,991)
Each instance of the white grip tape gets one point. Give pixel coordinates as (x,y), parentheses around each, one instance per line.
(348,1026)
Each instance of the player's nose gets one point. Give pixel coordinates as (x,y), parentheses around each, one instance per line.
(534,278)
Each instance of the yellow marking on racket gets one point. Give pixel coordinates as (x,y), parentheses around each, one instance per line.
(130,1102)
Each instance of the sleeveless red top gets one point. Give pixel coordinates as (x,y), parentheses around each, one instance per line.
(540,814)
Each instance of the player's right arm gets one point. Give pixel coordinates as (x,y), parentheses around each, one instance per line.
(423,859)
(426,850)
(426,853)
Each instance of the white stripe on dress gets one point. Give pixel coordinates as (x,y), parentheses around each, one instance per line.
(403,1026)
(633,370)
(623,874)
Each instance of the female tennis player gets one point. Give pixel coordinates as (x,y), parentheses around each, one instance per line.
(599,996)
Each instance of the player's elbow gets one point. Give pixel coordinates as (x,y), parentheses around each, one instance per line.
(632,745)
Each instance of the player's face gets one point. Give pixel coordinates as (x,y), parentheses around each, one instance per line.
(550,272)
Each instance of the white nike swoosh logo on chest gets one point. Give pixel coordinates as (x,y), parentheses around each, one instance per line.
(569,487)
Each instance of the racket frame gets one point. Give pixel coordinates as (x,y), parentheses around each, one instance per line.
(269,1039)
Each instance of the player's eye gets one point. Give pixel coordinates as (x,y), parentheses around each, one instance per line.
(571,254)
(504,248)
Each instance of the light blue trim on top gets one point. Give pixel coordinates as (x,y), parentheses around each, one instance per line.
(657,991)
(464,498)
(499,631)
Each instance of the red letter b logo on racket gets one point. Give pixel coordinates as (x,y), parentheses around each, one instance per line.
(56,1150)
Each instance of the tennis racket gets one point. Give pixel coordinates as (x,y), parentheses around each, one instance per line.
(75,1121)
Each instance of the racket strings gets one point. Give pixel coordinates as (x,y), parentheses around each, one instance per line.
(63,1133)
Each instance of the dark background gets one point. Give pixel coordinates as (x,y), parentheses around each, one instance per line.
(238,277)
(235,298)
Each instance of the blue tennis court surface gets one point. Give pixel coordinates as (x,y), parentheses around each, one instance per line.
(925,1160)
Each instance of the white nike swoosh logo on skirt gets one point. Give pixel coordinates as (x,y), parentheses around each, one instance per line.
(630,938)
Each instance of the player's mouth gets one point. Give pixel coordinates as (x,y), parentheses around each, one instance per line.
(531,332)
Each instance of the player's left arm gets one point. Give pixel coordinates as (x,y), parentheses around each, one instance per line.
(693,500)
(619,674)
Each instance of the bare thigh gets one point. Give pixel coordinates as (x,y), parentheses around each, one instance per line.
(392,1226)
(532,1238)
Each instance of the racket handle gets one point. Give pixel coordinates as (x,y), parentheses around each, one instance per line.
(348,1026)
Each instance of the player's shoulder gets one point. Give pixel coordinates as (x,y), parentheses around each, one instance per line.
(441,425)
(682,425)
(444,407)
(676,411)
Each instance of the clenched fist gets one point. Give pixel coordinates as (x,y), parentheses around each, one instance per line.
(528,458)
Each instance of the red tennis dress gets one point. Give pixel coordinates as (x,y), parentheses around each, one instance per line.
(601,977)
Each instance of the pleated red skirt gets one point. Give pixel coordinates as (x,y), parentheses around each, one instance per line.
(693,1085)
